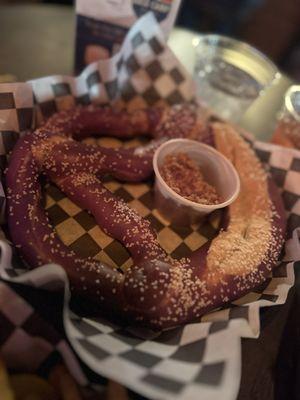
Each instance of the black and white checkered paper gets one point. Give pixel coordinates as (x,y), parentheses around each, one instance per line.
(199,360)
(29,342)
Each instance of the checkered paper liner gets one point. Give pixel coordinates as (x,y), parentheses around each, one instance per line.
(189,361)
(28,342)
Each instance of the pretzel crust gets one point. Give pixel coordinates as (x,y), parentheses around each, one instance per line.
(157,291)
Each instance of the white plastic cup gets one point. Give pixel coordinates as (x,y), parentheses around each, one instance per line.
(217,170)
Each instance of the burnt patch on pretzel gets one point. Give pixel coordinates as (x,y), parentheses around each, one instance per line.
(157,290)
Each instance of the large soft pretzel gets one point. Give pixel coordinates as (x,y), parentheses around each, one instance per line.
(158,291)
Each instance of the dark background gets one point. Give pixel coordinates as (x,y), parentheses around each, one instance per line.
(273,26)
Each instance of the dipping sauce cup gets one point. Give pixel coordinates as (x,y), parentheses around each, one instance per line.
(217,170)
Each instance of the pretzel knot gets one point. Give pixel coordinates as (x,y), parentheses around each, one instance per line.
(158,291)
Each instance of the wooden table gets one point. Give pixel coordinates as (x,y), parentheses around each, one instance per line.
(38,40)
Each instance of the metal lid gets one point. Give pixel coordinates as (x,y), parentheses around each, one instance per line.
(292,101)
